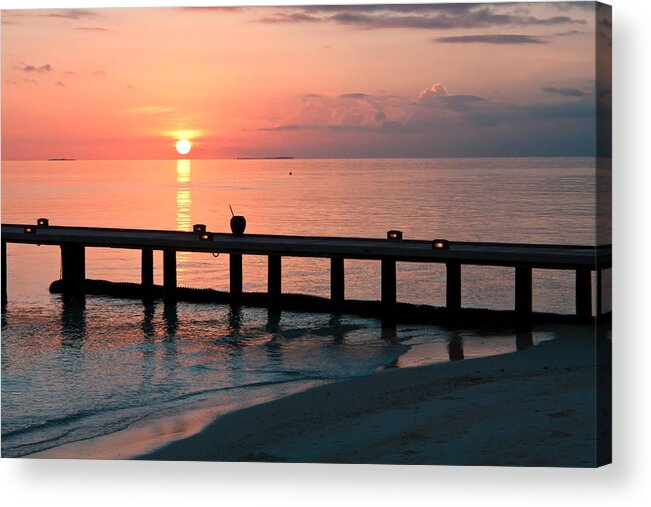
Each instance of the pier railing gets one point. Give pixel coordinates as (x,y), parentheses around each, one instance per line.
(73,242)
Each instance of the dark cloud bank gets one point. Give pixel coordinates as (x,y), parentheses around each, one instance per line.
(440,123)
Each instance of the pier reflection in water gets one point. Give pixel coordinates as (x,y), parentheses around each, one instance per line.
(455,347)
(171,318)
(231,331)
(73,320)
(234,319)
(523,339)
(147,324)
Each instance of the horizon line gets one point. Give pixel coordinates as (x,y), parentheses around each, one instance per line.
(271,158)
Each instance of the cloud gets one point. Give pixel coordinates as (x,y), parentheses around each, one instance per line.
(566,6)
(354,96)
(426,17)
(12,17)
(294,17)
(284,128)
(399,8)
(98,73)
(565,92)
(60,83)
(435,91)
(348,111)
(461,102)
(147,110)
(435,110)
(92,29)
(200,9)
(569,33)
(70,14)
(436,121)
(33,68)
(492,39)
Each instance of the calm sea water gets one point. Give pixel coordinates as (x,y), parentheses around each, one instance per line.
(75,370)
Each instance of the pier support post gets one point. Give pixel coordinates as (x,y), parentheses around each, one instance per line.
(389,289)
(169,272)
(523,291)
(73,267)
(583,292)
(147,270)
(235,264)
(453,285)
(337,281)
(4,273)
(274,282)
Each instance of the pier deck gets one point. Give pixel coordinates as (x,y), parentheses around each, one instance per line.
(493,254)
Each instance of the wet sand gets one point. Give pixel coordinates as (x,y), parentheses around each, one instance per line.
(534,407)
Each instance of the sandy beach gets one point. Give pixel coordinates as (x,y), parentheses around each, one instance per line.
(535,407)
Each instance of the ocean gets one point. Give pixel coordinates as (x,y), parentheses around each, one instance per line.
(74,371)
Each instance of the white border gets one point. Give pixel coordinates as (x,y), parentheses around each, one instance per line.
(627,482)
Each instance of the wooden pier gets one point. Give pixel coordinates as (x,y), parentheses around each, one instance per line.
(74,241)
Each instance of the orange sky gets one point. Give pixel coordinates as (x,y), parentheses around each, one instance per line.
(510,79)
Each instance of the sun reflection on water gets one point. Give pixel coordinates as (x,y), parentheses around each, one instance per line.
(183,206)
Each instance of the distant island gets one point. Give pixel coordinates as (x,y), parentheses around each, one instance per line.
(264,158)
(60,159)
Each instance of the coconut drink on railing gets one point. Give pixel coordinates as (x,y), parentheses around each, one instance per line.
(238,223)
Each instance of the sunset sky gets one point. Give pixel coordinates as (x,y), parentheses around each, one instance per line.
(364,81)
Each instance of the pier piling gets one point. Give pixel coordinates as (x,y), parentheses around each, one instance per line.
(274,282)
(523,291)
(337,281)
(169,272)
(453,285)
(235,265)
(147,269)
(73,267)
(389,289)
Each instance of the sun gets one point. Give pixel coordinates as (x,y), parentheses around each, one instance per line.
(183,147)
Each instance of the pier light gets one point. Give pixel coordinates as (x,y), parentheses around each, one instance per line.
(199,228)
(29,229)
(394,235)
(206,236)
(43,222)
(440,244)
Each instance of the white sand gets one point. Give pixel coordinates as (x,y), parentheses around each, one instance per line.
(531,408)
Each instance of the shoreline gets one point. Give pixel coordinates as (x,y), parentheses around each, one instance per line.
(156,430)
(447,414)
